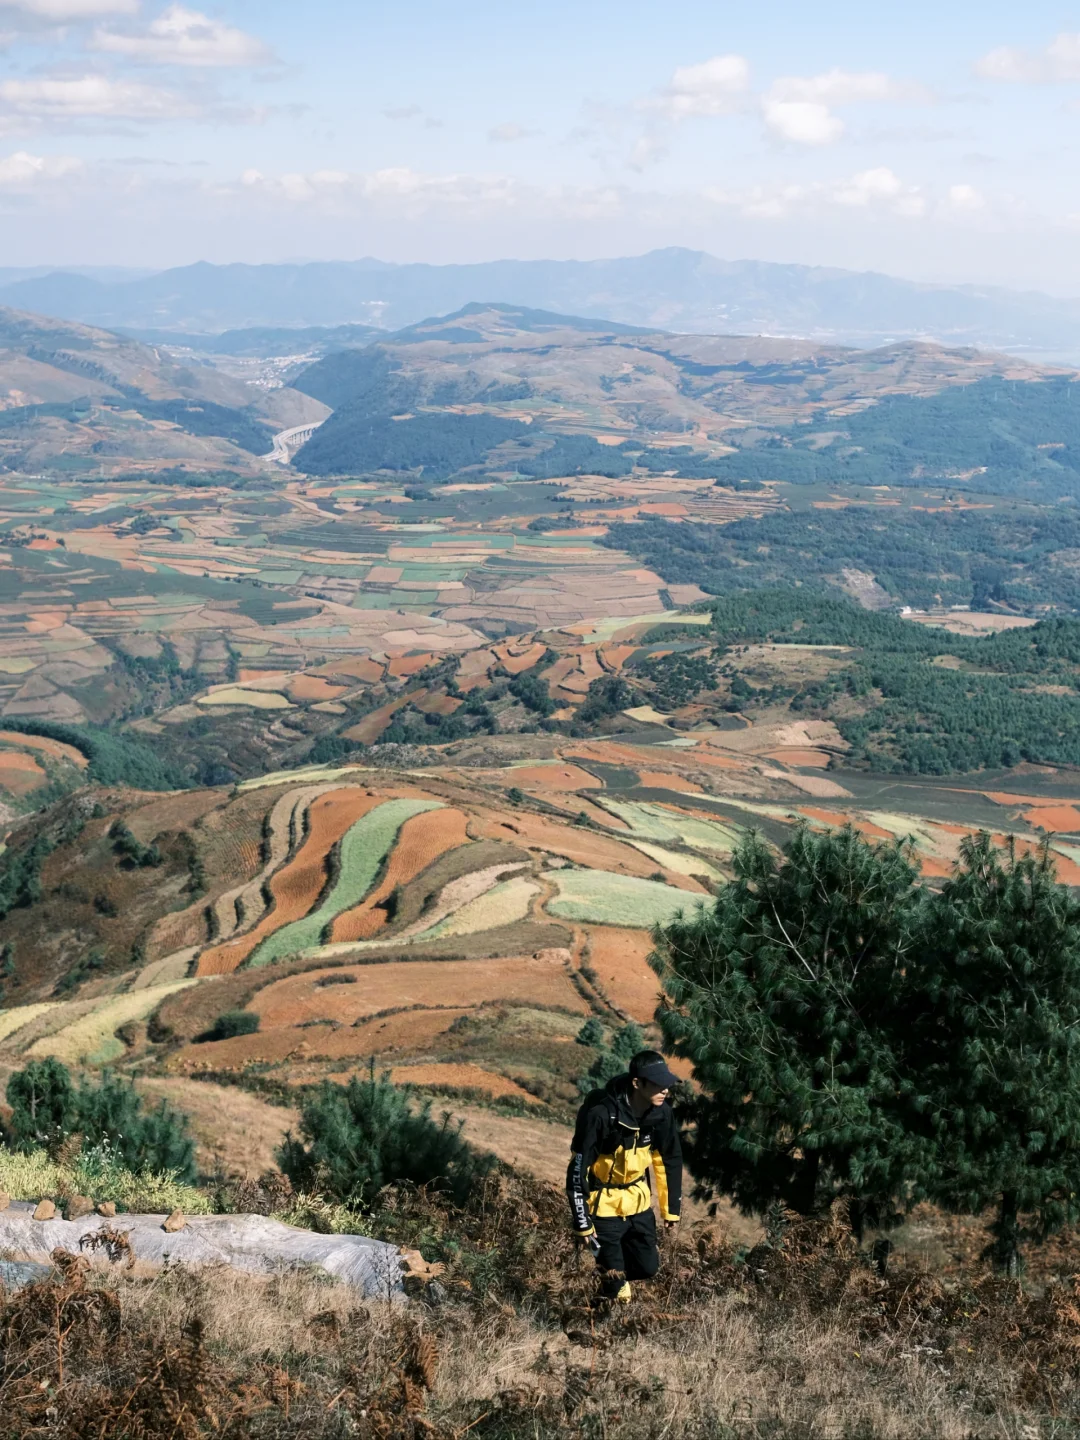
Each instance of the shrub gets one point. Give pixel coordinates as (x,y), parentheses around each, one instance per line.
(229,1024)
(46,1108)
(368,1134)
(591,1033)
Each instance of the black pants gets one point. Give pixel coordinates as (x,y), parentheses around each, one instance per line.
(628,1246)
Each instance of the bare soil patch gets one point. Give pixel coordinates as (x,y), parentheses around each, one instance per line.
(463,983)
(461,1077)
(620,959)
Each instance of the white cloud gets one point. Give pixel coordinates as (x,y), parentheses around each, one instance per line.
(877,190)
(802,122)
(846,87)
(60,12)
(403,112)
(716,87)
(966,198)
(407,193)
(508,132)
(90,97)
(1059,62)
(185,37)
(798,108)
(19,170)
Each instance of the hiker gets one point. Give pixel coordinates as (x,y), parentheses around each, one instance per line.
(620,1131)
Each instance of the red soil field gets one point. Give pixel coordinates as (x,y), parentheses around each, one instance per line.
(461,1077)
(610,752)
(20,773)
(707,756)
(515,664)
(406,665)
(812,759)
(311,688)
(616,656)
(420,841)
(55,749)
(554,777)
(1056,819)
(585,847)
(358,667)
(620,959)
(827,817)
(368,730)
(664,507)
(296,887)
(555,674)
(438,704)
(663,780)
(410,1032)
(933,868)
(464,983)
(247,675)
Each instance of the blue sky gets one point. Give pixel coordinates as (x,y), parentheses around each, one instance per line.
(935,141)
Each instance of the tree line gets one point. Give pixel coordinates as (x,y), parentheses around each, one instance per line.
(857,1035)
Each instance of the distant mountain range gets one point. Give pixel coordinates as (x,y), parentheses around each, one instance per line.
(673,289)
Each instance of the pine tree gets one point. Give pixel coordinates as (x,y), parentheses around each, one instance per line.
(604,1068)
(368,1134)
(46,1108)
(782,996)
(627,1041)
(42,1100)
(591,1033)
(156,1139)
(994,1026)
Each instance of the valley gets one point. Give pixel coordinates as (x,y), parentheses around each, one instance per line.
(397,738)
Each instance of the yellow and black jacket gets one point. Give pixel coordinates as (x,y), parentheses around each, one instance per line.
(612,1151)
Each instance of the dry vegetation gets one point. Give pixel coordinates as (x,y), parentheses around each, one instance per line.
(796,1339)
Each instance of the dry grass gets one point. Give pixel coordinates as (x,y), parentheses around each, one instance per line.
(799,1340)
(235,1132)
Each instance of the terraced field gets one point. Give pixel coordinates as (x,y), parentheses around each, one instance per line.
(449,921)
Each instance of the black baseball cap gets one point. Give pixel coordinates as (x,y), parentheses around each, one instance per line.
(650,1065)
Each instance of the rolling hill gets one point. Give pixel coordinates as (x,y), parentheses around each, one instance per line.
(77,398)
(672,289)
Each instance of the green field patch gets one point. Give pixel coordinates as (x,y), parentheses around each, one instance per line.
(374,600)
(434,573)
(675,860)
(92,1040)
(360,858)
(608,899)
(654,822)
(280,577)
(504,904)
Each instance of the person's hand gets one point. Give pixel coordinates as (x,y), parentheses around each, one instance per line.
(670,1225)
